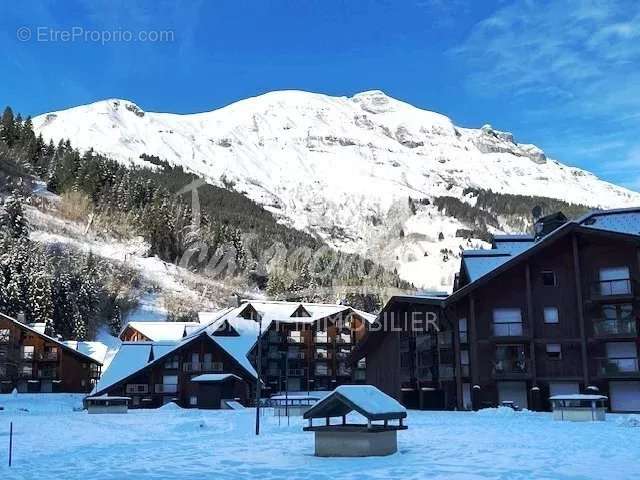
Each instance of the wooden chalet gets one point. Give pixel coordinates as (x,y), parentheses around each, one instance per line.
(31,361)
(535,316)
(303,346)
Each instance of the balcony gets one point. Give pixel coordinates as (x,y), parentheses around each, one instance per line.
(564,368)
(323,355)
(344,372)
(48,357)
(425,373)
(508,330)
(320,372)
(622,327)
(446,372)
(204,367)
(321,339)
(296,372)
(343,338)
(48,373)
(445,340)
(295,355)
(295,339)
(359,376)
(511,368)
(618,367)
(622,288)
(166,388)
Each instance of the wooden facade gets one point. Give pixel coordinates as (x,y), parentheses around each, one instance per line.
(167,378)
(33,362)
(303,356)
(560,317)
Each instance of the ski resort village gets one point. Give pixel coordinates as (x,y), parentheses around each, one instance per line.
(341,240)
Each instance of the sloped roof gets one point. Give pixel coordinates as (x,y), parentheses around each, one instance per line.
(367,400)
(622,222)
(625,221)
(162,331)
(96,350)
(50,339)
(130,357)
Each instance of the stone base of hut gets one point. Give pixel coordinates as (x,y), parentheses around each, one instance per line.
(350,441)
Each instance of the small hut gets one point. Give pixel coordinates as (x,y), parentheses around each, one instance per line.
(356,439)
(107,404)
(579,407)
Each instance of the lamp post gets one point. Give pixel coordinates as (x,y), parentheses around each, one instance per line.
(258,369)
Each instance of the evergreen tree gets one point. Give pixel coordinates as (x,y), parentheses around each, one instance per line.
(13,219)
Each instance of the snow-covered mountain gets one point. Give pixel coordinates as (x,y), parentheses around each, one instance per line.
(342,168)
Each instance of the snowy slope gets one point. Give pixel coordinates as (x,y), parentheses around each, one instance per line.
(342,168)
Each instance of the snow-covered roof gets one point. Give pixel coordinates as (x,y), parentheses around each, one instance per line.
(130,358)
(622,221)
(364,399)
(48,338)
(162,331)
(96,350)
(479,263)
(214,377)
(108,397)
(578,396)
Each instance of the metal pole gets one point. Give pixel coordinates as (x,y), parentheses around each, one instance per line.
(10,441)
(286,384)
(259,367)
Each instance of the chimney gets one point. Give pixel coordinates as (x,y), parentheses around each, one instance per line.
(21,318)
(545,225)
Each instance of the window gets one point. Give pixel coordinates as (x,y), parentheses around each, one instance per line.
(507,322)
(193,400)
(549,278)
(27,352)
(464,363)
(462,329)
(137,388)
(615,281)
(554,351)
(5,335)
(551,315)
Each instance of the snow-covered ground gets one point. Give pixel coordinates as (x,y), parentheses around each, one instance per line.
(52,441)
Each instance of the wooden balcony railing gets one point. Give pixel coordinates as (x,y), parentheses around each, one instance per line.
(166,388)
(612,288)
(615,327)
(208,367)
(512,329)
(618,366)
(510,368)
(48,356)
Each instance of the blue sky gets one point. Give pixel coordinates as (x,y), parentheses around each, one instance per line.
(562,74)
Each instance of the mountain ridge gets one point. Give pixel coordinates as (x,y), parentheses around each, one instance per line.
(344,168)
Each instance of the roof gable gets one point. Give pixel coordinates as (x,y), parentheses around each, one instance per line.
(61,344)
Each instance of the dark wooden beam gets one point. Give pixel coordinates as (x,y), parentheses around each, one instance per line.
(531,322)
(473,340)
(580,305)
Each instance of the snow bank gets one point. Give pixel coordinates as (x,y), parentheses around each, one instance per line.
(629,421)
